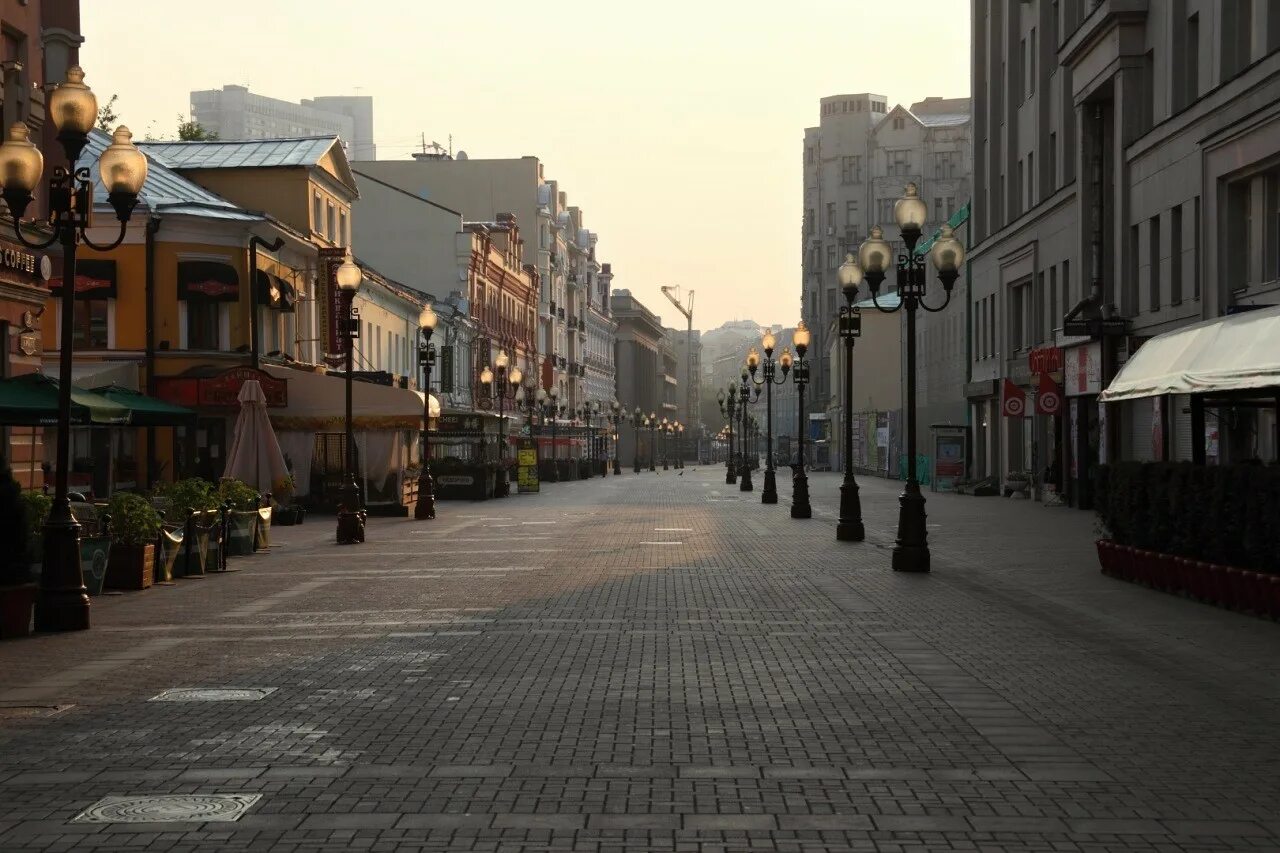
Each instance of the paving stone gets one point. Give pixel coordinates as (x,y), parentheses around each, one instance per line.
(634,821)
(920,823)
(730,822)
(1116,826)
(1215,828)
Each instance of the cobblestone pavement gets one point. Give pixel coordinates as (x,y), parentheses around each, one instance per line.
(657,662)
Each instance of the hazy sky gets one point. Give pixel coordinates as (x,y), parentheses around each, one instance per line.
(678,130)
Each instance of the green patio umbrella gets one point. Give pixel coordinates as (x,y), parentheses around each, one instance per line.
(146,411)
(32,400)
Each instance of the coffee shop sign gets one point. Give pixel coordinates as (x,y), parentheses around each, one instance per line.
(13,258)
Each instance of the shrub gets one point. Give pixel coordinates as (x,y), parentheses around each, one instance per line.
(1219,514)
(133,520)
(185,496)
(239,494)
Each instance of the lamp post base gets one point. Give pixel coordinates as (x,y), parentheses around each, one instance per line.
(744,481)
(350,516)
(617,468)
(664,465)
(62,603)
(911,553)
(770,493)
(849,528)
(730,478)
(652,467)
(635,468)
(426,506)
(800,496)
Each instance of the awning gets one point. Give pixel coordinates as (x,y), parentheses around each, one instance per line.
(1239,352)
(94,374)
(317,403)
(147,411)
(94,280)
(209,280)
(32,400)
(274,292)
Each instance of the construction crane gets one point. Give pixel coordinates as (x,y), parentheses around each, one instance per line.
(690,380)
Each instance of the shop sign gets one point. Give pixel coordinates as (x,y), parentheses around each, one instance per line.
(332,309)
(1081,370)
(1014,402)
(527,465)
(1075,438)
(221,391)
(459,423)
(1045,360)
(455,480)
(1048,396)
(16,259)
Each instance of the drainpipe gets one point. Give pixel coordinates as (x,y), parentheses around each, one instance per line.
(149,359)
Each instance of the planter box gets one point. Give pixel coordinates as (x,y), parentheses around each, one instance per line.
(262,529)
(16,606)
(131,566)
(240,535)
(95,553)
(1235,589)
(170,547)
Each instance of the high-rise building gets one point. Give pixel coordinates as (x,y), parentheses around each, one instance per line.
(234,113)
(641,369)
(1126,179)
(857,162)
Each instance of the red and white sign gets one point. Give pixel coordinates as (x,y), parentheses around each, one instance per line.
(1045,360)
(1082,370)
(1049,396)
(1015,400)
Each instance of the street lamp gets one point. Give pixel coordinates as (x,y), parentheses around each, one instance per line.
(800,376)
(849,528)
(426,506)
(911,553)
(652,424)
(616,417)
(636,418)
(63,602)
(664,430)
(551,409)
(679,445)
(770,493)
(746,394)
(351,514)
(728,411)
(505,387)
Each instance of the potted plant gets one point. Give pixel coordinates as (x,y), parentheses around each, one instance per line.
(284,510)
(241,502)
(134,527)
(185,498)
(17,591)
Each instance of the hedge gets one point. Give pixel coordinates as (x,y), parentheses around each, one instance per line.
(1228,514)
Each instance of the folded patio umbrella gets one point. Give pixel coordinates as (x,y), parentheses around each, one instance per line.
(255,456)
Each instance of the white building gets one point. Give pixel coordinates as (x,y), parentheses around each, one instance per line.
(233,113)
(1126,177)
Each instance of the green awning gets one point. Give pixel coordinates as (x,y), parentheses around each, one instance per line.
(32,400)
(147,411)
(960,217)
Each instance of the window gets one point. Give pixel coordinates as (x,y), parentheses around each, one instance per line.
(1175,255)
(1031,179)
(1195,252)
(937,209)
(1067,304)
(1271,225)
(1191,61)
(1053,162)
(899,123)
(1031,63)
(944,164)
(1019,306)
(343,237)
(850,169)
(809,155)
(831,214)
(89,330)
(831,301)
(850,212)
(991,325)
(810,222)
(832,263)
(1017,210)
(1239,234)
(899,162)
(204,326)
(884,211)
(1053,299)
(317,214)
(332,222)
(1129,294)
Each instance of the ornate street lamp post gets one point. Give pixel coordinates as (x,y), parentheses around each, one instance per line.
(652,424)
(849,528)
(679,445)
(911,553)
(770,493)
(552,409)
(664,432)
(426,506)
(616,418)
(63,603)
(505,387)
(351,513)
(728,411)
(746,394)
(800,376)
(636,418)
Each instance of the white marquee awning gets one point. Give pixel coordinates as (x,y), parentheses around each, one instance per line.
(1234,353)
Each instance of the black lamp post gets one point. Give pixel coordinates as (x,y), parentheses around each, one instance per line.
(616,417)
(800,376)
(426,505)
(351,513)
(679,445)
(728,411)
(504,385)
(652,423)
(849,528)
(746,394)
(636,419)
(551,409)
(911,553)
(63,603)
(770,493)
(664,433)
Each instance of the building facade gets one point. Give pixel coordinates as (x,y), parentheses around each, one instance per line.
(602,331)
(235,113)
(640,370)
(687,347)
(857,162)
(1126,182)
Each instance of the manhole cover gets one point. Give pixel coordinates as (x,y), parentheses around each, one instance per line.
(213,694)
(169,808)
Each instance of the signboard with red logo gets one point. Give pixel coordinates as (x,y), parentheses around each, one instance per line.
(1081,370)
(221,391)
(332,309)
(1014,400)
(1048,396)
(1045,360)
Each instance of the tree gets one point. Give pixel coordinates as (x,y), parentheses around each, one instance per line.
(107,115)
(192,131)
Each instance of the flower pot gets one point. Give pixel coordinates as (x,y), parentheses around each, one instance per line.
(1250,594)
(239,539)
(1202,580)
(16,606)
(1126,558)
(193,554)
(1164,571)
(95,553)
(1184,571)
(1108,557)
(1273,596)
(131,566)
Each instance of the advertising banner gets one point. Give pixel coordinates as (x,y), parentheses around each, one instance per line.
(527,465)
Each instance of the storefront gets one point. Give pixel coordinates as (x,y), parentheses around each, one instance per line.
(1085,425)
(22,298)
